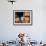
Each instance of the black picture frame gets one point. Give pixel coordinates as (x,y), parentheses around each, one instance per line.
(18,12)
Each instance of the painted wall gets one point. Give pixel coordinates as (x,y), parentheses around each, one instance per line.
(37,31)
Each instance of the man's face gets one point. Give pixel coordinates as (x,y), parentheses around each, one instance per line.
(27,17)
(17,19)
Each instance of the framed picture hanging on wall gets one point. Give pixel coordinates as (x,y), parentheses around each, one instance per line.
(22,17)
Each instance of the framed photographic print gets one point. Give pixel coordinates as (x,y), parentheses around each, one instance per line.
(22,17)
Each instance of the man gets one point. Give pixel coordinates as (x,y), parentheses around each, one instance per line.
(26,18)
(17,20)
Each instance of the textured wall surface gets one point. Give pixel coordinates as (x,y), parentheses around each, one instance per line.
(38,29)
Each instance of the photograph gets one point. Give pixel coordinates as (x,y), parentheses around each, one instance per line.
(22,17)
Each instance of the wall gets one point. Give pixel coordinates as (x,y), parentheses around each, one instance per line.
(37,31)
